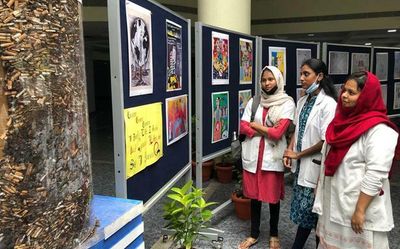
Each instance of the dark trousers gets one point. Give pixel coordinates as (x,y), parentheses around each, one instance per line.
(301,238)
(256,218)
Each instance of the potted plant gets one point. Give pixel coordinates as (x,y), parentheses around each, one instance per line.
(187,214)
(241,202)
(224,169)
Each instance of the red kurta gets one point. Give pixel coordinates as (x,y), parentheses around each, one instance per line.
(265,186)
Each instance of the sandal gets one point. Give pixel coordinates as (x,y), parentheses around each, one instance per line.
(274,243)
(247,243)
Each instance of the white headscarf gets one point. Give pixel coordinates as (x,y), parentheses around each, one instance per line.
(275,101)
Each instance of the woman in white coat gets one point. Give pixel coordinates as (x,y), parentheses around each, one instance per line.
(262,152)
(314,112)
(353,194)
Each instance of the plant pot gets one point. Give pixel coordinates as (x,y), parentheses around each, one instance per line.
(242,206)
(207,167)
(224,172)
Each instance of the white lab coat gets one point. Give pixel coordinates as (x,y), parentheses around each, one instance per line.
(320,116)
(250,146)
(364,168)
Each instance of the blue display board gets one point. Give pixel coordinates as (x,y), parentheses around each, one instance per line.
(176,156)
(290,48)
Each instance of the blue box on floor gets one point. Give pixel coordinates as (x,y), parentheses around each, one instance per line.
(120,223)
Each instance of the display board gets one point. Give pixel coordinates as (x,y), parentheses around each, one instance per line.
(150,75)
(386,65)
(225,66)
(288,56)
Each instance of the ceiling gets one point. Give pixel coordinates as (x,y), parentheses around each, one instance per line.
(365,21)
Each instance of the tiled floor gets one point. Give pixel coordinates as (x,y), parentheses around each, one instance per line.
(235,229)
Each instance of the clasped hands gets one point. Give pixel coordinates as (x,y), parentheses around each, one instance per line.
(288,156)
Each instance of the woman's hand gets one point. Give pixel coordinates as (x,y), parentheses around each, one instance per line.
(287,162)
(291,154)
(357,221)
(254,125)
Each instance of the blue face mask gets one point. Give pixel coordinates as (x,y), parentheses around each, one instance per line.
(314,86)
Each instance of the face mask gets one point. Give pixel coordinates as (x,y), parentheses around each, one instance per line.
(270,92)
(314,86)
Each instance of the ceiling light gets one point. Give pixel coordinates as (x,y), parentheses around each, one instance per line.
(310,34)
(392,30)
(368,44)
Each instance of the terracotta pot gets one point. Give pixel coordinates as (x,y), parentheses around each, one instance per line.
(207,169)
(224,172)
(242,206)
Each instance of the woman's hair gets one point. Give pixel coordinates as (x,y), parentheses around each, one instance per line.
(326,83)
(359,78)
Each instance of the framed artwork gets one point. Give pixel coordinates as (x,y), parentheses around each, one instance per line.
(220,58)
(277,58)
(174,56)
(396,97)
(176,113)
(384,94)
(396,73)
(381,66)
(359,62)
(139,49)
(338,88)
(300,92)
(338,62)
(302,54)
(244,96)
(245,61)
(220,116)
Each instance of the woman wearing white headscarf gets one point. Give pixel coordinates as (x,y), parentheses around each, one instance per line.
(262,151)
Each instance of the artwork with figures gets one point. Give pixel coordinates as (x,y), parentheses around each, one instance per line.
(338,62)
(396,73)
(220,116)
(244,96)
(246,61)
(359,62)
(381,66)
(277,58)
(396,96)
(220,58)
(301,55)
(139,49)
(174,56)
(176,118)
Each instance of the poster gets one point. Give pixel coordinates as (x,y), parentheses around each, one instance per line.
(338,62)
(381,67)
(396,97)
(396,74)
(300,92)
(277,58)
(302,54)
(338,88)
(174,56)
(139,49)
(220,116)
(143,137)
(384,94)
(246,61)
(220,58)
(244,97)
(359,62)
(176,113)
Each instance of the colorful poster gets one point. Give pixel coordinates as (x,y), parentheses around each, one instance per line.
(246,61)
(381,67)
(359,62)
(143,137)
(174,56)
(176,113)
(396,74)
(338,62)
(220,58)
(244,97)
(220,116)
(277,58)
(396,96)
(139,49)
(302,54)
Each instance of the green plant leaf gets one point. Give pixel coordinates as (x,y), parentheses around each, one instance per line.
(175,197)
